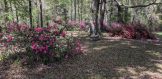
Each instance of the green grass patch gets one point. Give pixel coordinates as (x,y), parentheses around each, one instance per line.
(159,33)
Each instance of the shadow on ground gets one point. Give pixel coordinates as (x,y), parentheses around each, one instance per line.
(104,59)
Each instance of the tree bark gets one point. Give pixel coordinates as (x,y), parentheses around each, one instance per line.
(16,13)
(6,10)
(78,10)
(30,13)
(71,9)
(102,13)
(120,12)
(81,10)
(96,4)
(41,12)
(75,14)
(6,5)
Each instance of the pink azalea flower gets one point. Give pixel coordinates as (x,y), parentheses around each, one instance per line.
(82,25)
(41,37)
(34,46)
(46,49)
(72,23)
(10,38)
(63,34)
(38,29)
(56,32)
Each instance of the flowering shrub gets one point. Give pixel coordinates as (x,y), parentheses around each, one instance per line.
(141,32)
(72,23)
(104,26)
(10,38)
(11,27)
(82,25)
(49,44)
(131,31)
(38,30)
(6,39)
(14,27)
(116,29)
(76,24)
(128,31)
(42,43)
(1,35)
(59,20)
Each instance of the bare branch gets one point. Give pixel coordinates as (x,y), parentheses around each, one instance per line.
(136,6)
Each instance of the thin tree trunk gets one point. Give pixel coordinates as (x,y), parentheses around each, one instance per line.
(78,9)
(17,17)
(6,5)
(41,12)
(6,10)
(30,13)
(75,14)
(38,16)
(81,10)
(111,13)
(71,9)
(11,9)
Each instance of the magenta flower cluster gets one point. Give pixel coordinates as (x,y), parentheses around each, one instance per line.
(78,48)
(15,27)
(50,40)
(80,24)
(42,40)
(6,39)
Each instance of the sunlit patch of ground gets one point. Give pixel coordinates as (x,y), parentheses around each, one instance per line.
(109,58)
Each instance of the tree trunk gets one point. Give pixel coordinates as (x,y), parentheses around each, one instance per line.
(16,13)
(41,12)
(78,10)
(71,9)
(38,14)
(96,4)
(6,5)
(6,10)
(102,13)
(81,10)
(30,13)
(75,14)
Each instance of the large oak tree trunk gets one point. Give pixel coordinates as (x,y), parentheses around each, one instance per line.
(95,11)
(102,13)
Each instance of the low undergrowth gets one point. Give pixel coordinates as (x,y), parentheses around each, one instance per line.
(131,31)
(41,44)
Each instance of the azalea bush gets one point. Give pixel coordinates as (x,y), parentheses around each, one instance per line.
(50,45)
(43,44)
(130,31)
(14,27)
(6,39)
(116,29)
(76,25)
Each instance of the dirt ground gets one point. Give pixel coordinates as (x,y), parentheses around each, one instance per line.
(108,58)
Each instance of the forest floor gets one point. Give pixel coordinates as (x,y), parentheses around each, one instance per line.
(108,58)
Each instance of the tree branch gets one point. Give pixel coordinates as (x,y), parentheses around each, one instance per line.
(136,6)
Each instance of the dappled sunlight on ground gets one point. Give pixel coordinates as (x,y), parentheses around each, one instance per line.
(99,48)
(104,59)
